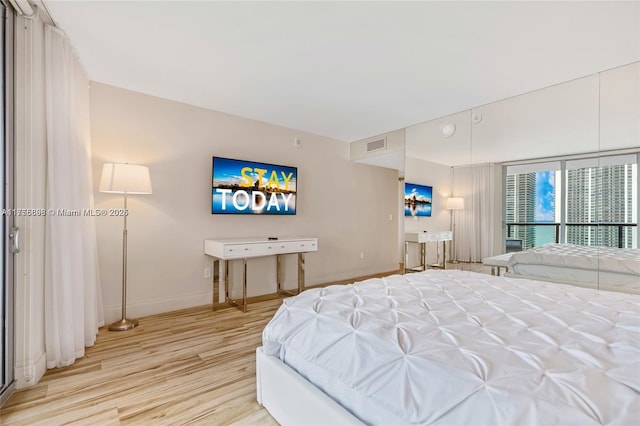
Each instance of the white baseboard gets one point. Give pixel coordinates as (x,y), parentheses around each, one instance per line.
(157,306)
(29,372)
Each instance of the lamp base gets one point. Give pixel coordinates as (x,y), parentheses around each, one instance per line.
(123,324)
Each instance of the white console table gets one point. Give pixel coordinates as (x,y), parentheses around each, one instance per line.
(245,248)
(422,238)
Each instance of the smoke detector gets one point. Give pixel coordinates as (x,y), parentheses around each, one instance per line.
(448,129)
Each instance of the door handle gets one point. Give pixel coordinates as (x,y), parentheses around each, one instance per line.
(14,235)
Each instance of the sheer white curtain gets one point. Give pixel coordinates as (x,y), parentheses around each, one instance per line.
(73,305)
(474,233)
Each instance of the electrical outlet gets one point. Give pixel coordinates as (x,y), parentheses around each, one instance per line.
(361,255)
(207,272)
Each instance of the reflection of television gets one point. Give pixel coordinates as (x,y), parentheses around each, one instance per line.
(417,199)
(245,187)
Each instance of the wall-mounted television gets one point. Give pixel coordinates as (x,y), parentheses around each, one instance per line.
(417,199)
(247,187)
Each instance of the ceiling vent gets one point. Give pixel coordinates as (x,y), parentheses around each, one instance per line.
(377,145)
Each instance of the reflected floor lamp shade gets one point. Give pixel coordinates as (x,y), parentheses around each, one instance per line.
(121,178)
(454,203)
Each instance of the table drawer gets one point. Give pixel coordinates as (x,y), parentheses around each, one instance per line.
(273,247)
(238,250)
(265,249)
(246,248)
(309,245)
(286,247)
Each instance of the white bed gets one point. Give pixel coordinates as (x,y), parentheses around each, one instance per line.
(605,268)
(452,347)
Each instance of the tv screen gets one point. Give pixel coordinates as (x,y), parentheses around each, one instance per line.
(247,187)
(417,199)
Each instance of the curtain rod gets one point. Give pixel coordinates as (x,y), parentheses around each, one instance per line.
(33,8)
(23,8)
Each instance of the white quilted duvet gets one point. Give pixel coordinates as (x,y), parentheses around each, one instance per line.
(607,259)
(459,348)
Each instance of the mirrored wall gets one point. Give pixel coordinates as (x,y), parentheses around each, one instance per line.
(555,166)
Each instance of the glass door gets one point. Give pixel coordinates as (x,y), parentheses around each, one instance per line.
(9,233)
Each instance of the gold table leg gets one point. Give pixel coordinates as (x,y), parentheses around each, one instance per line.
(301,267)
(216,284)
(300,276)
(242,306)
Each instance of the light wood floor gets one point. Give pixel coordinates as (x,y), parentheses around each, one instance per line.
(187,367)
(193,366)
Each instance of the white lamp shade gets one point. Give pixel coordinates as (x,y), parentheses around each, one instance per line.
(120,178)
(454,203)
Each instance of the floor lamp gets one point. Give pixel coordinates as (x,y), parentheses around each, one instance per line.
(454,203)
(119,178)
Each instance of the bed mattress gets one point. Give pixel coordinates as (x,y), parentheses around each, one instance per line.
(455,347)
(576,263)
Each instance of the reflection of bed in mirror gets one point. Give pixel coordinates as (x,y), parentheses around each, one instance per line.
(452,347)
(605,268)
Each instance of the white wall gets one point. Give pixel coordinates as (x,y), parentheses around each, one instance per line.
(620,108)
(350,207)
(391,157)
(560,120)
(425,140)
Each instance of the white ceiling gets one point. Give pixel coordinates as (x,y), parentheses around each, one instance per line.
(347,70)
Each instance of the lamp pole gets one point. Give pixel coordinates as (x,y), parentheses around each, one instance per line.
(124,323)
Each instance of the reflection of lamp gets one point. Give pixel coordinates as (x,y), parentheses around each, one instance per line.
(454,203)
(118,178)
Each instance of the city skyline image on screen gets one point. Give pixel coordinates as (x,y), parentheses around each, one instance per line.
(248,187)
(417,199)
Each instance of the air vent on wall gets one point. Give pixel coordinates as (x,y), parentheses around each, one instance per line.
(377,145)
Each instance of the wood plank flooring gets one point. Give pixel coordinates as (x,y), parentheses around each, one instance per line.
(193,366)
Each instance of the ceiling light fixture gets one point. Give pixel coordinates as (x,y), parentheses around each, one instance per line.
(448,129)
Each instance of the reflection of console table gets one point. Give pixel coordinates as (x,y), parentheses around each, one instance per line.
(245,248)
(422,238)
(497,262)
